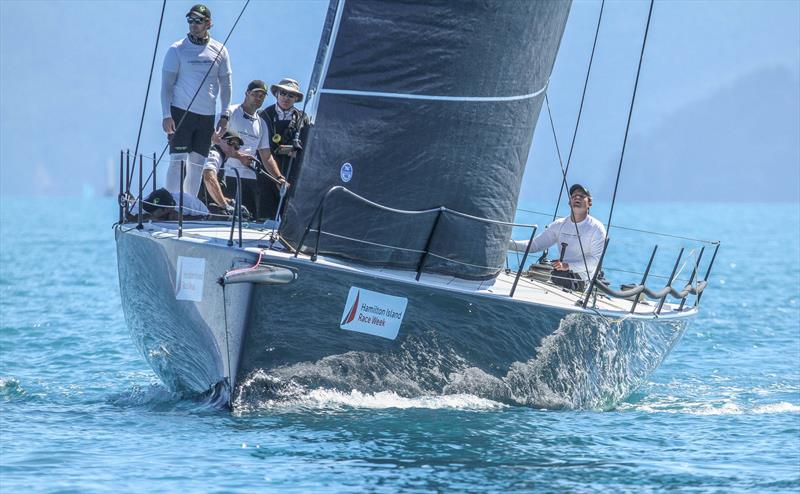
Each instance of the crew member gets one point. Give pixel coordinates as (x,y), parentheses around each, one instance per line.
(283,121)
(214,171)
(196,71)
(583,235)
(252,132)
(163,205)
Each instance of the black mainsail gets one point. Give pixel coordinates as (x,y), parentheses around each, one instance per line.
(418,105)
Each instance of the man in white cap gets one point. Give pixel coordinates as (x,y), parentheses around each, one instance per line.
(251,131)
(283,120)
(580,236)
(196,71)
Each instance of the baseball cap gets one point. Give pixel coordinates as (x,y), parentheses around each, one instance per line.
(158,198)
(200,10)
(257,85)
(581,188)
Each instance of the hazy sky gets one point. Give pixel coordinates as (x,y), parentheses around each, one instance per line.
(73,74)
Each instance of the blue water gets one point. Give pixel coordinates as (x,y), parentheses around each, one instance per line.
(80,411)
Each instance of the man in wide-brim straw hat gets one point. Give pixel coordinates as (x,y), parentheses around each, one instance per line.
(283,119)
(289,86)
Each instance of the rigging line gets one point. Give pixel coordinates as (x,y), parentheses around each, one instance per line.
(216,58)
(630,112)
(712,242)
(227,344)
(564,170)
(564,184)
(624,142)
(580,112)
(564,173)
(149,81)
(558,152)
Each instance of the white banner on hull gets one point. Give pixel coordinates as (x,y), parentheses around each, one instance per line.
(189,278)
(373,313)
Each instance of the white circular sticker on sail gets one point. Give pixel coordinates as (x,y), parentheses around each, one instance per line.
(346,172)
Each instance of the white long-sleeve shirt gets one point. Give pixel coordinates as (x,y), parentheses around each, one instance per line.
(592,235)
(253,131)
(185,67)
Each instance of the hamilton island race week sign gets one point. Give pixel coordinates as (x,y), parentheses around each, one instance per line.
(373,313)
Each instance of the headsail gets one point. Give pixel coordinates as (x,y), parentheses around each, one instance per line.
(420,105)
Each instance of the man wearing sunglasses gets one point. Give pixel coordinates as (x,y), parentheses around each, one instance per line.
(283,119)
(213,172)
(252,138)
(195,73)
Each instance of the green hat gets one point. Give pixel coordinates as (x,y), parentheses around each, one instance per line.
(200,10)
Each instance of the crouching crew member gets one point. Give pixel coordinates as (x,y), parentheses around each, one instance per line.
(163,205)
(214,172)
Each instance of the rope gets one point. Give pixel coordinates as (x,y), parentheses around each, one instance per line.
(462,262)
(711,242)
(580,112)
(227,344)
(630,113)
(558,152)
(375,244)
(415,251)
(249,268)
(149,81)
(224,43)
(564,170)
(185,208)
(626,271)
(622,154)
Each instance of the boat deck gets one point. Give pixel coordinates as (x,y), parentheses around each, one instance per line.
(257,241)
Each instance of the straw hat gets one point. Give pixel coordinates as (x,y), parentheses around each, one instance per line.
(288,85)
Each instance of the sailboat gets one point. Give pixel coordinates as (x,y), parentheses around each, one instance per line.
(392,269)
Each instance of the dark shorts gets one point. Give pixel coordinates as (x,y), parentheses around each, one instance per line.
(194,133)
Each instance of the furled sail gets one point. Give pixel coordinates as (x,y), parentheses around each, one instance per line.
(419,105)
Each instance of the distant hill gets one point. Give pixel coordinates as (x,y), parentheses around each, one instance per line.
(741,143)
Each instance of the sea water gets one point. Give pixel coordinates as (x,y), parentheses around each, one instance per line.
(80,411)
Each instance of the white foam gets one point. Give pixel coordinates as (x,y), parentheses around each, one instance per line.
(728,408)
(331,399)
(782,407)
(725,409)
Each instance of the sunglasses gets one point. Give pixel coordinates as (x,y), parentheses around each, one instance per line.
(287,94)
(233,143)
(195,20)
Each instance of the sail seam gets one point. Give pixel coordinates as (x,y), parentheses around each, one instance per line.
(350,92)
